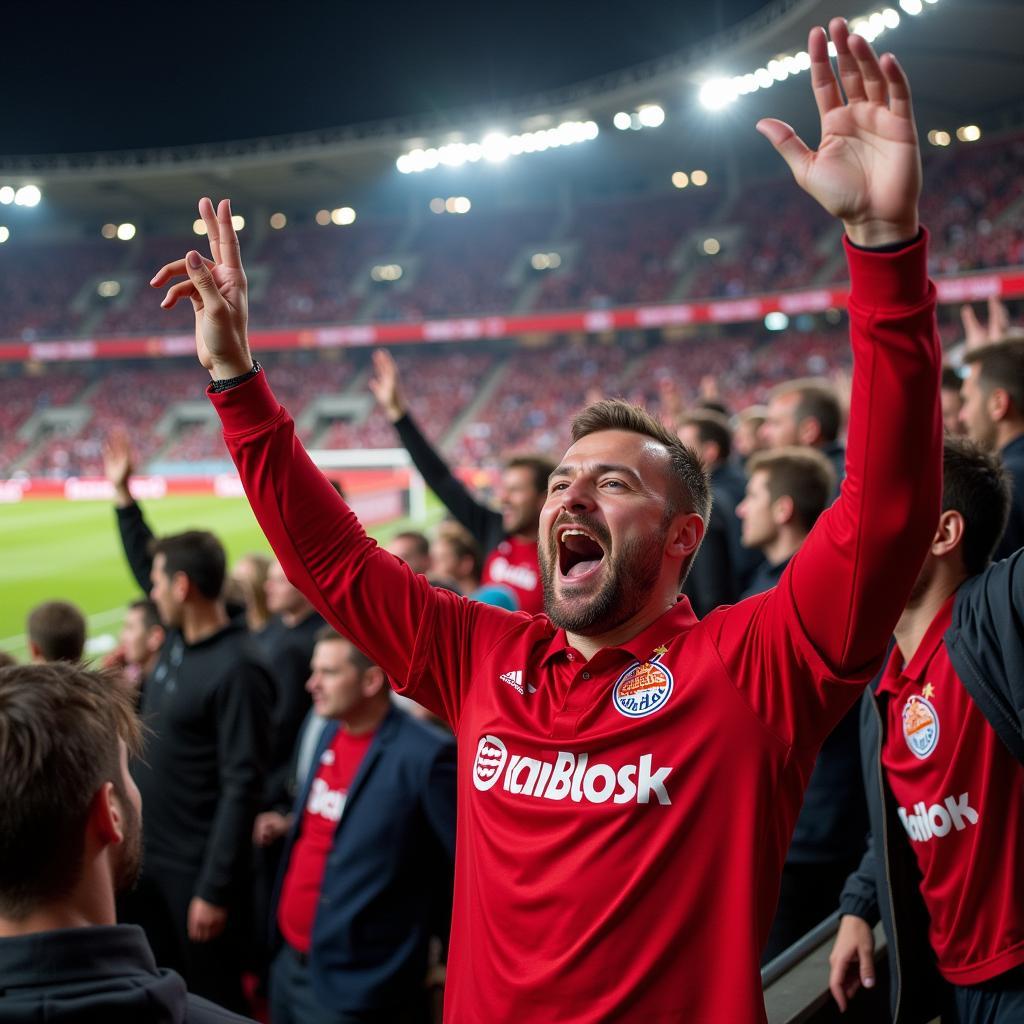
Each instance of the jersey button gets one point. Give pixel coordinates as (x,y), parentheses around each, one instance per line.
(570,656)
(586,675)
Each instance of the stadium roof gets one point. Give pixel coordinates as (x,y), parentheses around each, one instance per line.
(963,57)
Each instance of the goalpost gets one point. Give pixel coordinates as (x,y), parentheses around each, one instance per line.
(380,484)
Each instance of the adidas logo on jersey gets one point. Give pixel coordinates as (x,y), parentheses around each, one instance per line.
(514,679)
(936,821)
(569,776)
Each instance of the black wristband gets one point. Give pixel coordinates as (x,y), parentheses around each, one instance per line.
(889,247)
(226,385)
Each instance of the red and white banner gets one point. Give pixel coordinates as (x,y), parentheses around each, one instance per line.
(967,288)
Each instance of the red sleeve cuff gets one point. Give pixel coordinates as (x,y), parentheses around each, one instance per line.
(246,407)
(883,280)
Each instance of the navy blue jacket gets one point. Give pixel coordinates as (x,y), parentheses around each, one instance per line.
(985,643)
(388,881)
(1013,536)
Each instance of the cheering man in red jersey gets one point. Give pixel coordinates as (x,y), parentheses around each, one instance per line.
(629,775)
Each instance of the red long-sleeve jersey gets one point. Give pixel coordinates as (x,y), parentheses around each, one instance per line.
(622,822)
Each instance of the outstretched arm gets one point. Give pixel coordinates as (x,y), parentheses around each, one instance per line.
(482,522)
(118,465)
(829,619)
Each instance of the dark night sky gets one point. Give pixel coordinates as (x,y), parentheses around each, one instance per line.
(80,76)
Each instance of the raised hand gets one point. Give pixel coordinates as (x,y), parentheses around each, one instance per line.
(219,294)
(867,168)
(977,334)
(386,386)
(118,464)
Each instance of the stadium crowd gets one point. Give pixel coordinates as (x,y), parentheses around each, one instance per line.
(829,720)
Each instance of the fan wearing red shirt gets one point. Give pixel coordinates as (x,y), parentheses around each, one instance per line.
(958,793)
(630,776)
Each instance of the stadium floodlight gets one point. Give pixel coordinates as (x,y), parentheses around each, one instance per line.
(323,217)
(496,147)
(680,179)
(622,121)
(109,231)
(278,221)
(651,116)
(6,195)
(199,226)
(699,178)
(108,289)
(27,195)
(237,221)
(718,91)
(126,232)
(968,133)
(937,137)
(711,246)
(343,216)
(776,321)
(5,233)
(386,272)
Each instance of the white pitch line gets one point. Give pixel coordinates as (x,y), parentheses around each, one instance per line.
(98,619)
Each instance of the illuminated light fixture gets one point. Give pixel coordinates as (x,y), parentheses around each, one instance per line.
(6,195)
(939,138)
(457,204)
(278,221)
(699,178)
(5,233)
(776,321)
(108,289)
(343,215)
(968,133)
(199,226)
(109,231)
(237,221)
(126,232)
(712,246)
(386,272)
(651,116)
(680,179)
(27,195)
(323,217)
(718,91)
(545,260)
(622,121)
(496,147)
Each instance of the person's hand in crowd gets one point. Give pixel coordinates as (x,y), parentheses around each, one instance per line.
(269,827)
(218,291)
(205,920)
(119,464)
(852,960)
(977,334)
(671,402)
(387,386)
(867,168)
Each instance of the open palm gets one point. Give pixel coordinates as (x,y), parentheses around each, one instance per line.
(867,168)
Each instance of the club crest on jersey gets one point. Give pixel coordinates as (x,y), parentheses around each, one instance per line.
(642,689)
(920,726)
(491,755)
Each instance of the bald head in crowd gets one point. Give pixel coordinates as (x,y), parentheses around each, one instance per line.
(56,632)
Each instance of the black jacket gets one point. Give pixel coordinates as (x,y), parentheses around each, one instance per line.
(387,885)
(202,777)
(102,975)
(985,643)
(483,523)
(1013,536)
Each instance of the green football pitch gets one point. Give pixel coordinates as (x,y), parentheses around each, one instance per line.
(71,550)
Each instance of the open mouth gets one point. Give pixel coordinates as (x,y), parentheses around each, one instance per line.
(579,553)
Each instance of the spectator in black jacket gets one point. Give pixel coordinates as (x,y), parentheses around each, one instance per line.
(807,412)
(942,736)
(788,490)
(993,413)
(208,704)
(952,402)
(70,838)
(508,538)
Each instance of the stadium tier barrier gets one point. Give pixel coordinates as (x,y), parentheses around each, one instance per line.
(974,287)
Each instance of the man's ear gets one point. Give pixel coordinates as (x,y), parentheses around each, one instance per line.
(808,432)
(181,586)
(949,534)
(374,680)
(998,403)
(106,817)
(685,535)
(782,510)
(155,637)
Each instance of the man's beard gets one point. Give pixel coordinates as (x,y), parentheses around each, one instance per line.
(129,860)
(630,577)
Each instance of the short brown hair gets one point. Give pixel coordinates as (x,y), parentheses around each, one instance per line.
(199,555)
(712,427)
(464,544)
(817,400)
(802,474)
(328,634)
(951,379)
(975,484)
(57,629)
(691,491)
(1001,365)
(419,541)
(540,469)
(59,730)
